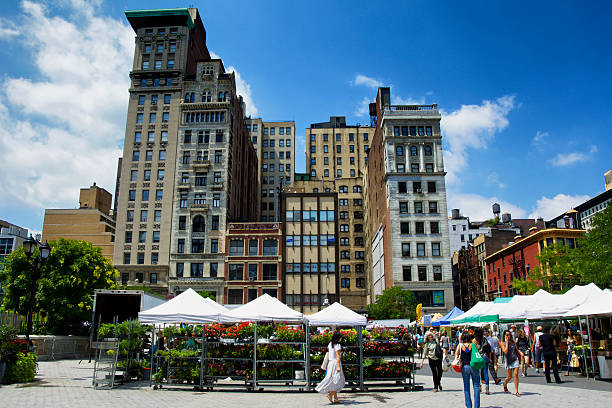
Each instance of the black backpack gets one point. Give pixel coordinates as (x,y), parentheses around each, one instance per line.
(438,351)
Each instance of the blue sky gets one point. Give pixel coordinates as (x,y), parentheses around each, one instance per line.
(524,87)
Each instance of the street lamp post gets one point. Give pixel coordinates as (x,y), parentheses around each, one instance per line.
(43,253)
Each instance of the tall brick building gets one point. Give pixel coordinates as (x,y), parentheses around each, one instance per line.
(407,217)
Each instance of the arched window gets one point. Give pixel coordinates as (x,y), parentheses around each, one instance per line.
(192,97)
(187,97)
(427,150)
(220,97)
(206,96)
(414,151)
(198,224)
(225,96)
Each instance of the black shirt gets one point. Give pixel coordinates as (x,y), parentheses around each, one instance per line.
(547,343)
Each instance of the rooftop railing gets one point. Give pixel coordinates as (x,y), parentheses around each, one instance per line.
(411,107)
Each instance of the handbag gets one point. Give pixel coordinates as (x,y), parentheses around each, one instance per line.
(476,360)
(446,363)
(457,364)
(325,361)
(438,351)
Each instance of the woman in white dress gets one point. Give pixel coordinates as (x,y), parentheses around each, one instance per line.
(334,377)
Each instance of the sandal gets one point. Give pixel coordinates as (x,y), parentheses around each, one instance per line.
(331,400)
(517,394)
(506,390)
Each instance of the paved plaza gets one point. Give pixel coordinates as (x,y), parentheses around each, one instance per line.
(67,383)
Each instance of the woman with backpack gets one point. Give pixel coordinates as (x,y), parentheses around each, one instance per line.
(433,352)
(485,351)
(463,355)
(513,361)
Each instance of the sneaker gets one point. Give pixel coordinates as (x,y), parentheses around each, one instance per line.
(538,370)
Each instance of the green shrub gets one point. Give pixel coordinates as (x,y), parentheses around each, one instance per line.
(23,370)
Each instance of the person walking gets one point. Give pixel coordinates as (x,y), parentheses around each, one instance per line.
(513,361)
(523,345)
(334,376)
(571,342)
(433,352)
(420,341)
(537,349)
(444,343)
(484,348)
(464,353)
(492,363)
(494,342)
(547,341)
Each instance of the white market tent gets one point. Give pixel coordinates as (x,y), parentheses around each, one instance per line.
(188,307)
(263,309)
(520,307)
(598,305)
(557,305)
(336,315)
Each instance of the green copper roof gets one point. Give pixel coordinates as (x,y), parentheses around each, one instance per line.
(131,14)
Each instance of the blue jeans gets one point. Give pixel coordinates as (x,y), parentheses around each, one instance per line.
(569,358)
(484,373)
(467,372)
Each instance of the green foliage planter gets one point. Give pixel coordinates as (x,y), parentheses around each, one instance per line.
(22,370)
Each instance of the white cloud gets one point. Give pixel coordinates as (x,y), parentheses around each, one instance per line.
(565,159)
(478,207)
(366,81)
(593,149)
(242,88)
(548,208)
(61,129)
(363,109)
(540,138)
(398,100)
(493,178)
(472,126)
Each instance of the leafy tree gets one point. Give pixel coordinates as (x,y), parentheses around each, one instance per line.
(562,267)
(67,281)
(394,303)
(207,294)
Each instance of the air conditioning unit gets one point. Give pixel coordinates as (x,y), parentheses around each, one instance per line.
(251,278)
(419,190)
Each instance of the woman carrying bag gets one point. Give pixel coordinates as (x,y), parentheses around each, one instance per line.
(433,352)
(465,353)
(334,377)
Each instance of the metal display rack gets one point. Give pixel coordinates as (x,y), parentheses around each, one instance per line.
(105,364)
(212,378)
(405,382)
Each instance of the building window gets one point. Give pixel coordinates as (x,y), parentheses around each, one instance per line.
(434,227)
(197,270)
(197,246)
(433,207)
(435,249)
(215,223)
(431,186)
(183,200)
(416,187)
(429,168)
(401,187)
(422,271)
(253,247)
(236,247)
(144,215)
(130,213)
(414,151)
(252,271)
(145,195)
(428,150)
(180,248)
(140,258)
(419,227)
(403,207)
(437,273)
(236,272)
(406,273)
(399,151)
(128,240)
(405,249)
(154,258)
(213,269)
(405,228)
(234,296)
(421,249)
(270,247)
(159,194)
(162,155)
(180,269)
(198,224)
(269,271)
(345,282)
(216,200)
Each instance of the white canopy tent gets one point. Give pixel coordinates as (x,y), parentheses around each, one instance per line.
(521,306)
(188,307)
(336,315)
(557,305)
(599,305)
(263,309)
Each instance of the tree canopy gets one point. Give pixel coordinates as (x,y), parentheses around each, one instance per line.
(562,267)
(206,294)
(393,303)
(65,288)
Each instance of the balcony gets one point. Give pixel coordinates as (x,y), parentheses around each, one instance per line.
(183,185)
(201,163)
(217,186)
(199,207)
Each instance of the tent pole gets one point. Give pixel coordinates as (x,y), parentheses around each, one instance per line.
(590,345)
(586,368)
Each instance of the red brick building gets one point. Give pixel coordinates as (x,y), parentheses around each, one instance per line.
(519,257)
(253,260)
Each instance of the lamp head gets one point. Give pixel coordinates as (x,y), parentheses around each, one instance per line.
(44,251)
(29,245)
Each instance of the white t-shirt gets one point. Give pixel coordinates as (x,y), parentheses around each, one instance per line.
(332,351)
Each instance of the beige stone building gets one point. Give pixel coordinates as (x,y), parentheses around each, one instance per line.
(274,143)
(169,42)
(336,157)
(310,254)
(91,222)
